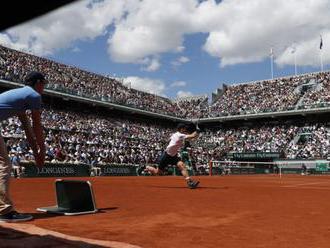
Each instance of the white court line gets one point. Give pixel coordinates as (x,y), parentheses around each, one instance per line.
(302,184)
(318,188)
(310,188)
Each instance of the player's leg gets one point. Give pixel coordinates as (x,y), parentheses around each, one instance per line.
(182,167)
(5,171)
(190,182)
(17,171)
(7,212)
(153,170)
(164,161)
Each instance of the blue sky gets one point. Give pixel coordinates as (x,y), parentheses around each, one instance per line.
(202,73)
(186,47)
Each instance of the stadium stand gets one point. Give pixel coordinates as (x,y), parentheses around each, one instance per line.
(281,94)
(317,94)
(72,80)
(193,106)
(75,137)
(90,139)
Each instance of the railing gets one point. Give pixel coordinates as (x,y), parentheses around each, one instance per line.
(71,94)
(323,107)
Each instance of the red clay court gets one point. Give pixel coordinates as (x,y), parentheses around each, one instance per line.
(227,211)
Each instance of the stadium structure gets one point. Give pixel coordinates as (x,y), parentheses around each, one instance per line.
(96,122)
(96,126)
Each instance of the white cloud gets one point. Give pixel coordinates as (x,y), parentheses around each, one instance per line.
(181,60)
(178,84)
(153,86)
(238,31)
(307,53)
(150,64)
(247,29)
(182,93)
(82,20)
(154,27)
(76,50)
(180,49)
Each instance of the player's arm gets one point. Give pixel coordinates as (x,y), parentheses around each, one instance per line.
(192,136)
(39,134)
(34,136)
(31,138)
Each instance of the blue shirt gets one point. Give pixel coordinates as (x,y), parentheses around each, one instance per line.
(18,100)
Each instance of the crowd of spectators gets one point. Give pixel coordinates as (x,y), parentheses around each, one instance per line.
(73,137)
(307,141)
(77,138)
(262,96)
(193,107)
(15,65)
(252,139)
(312,142)
(320,97)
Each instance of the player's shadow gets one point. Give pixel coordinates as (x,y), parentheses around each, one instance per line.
(106,210)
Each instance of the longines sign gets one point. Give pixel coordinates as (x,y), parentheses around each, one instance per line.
(77,170)
(118,170)
(57,170)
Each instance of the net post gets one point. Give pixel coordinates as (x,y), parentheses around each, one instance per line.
(210,168)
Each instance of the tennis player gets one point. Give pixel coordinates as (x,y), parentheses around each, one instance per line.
(170,155)
(16,102)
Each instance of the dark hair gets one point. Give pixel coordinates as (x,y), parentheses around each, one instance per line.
(181,125)
(34,77)
(191,128)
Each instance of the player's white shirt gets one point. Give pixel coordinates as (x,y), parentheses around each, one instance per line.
(177,140)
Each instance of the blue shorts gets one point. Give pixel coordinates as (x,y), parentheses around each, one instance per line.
(166,160)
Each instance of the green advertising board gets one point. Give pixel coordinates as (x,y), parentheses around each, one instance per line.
(56,170)
(321,166)
(118,170)
(255,156)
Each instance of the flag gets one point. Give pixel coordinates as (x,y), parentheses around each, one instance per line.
(271,54)
(321,42)
(293,50)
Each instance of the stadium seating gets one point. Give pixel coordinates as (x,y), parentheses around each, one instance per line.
(14,66)
(73,137)
(92,139)
(281,94)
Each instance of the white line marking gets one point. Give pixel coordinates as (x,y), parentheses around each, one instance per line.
(324,188)
(303,184)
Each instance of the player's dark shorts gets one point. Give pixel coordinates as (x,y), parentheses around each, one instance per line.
(166,160)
